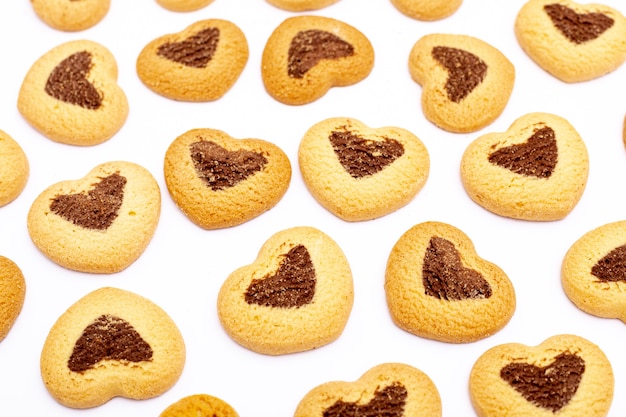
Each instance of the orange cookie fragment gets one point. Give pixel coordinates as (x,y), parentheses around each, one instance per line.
(427,9)
(184,5)
(71,15)
(199,405)
(14,169)
(12,294)
(301,5)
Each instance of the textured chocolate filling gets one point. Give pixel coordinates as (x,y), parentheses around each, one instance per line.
(578,28)
(220,168)
(444,276)
(363,157)
(293,285)
(108,338)
(68,82)
(612,267)
(309,47)
(465,71)
(537,157)
(196,51)
(97,209)
(388,402)
(550,387)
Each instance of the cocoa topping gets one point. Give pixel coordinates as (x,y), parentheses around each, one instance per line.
(293,285)
(108,338)
(97,209)
(309,47)
(578,27)
(220,168)
(68,82)
(388,402)
(550,387)
(444,276)
(465,71)
(196,51)
(612,267)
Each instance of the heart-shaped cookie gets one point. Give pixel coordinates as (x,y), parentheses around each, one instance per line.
(71,15)
(427,10)
(184,5)
(438,287)
(297,295)
(12,294)
(573,42)
(14,169)
(361,173)
(71,94)
(536,170)
(389,389)
(565,375)
(100,223)
(111,343)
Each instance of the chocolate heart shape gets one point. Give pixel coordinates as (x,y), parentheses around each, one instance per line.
(293,285)
(444,277)
(388,402)
(578,27)
(465,71)
(537,157)
(68,82)
(220,168)
(550,387)
(363,157)
(108,338)
(612,267)
(196,51)
(309,47)
(95,210)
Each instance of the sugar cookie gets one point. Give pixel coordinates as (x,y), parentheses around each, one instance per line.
(12,294)
(427,9)
(199,405)
(14,169)
(301,5)
(184,5)
(71,15)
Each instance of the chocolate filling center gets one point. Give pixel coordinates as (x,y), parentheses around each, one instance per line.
(387,402)
(612,267)
(465,71)
(196,51)
(309,47)
(68,82)
(578,28)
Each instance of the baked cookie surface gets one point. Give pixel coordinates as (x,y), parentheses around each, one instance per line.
(427,9)
(297,295)
(301,5)
(466,82)
(184,5)
(14,169)
(71,15)
(438,287)
(361,173)
(199,405)
(12,294)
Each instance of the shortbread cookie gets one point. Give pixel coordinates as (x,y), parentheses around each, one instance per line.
(301,5)
(71,15)
(573,42)
(12,294)
(565,375)
(388,389)
(219,181)
(184,5)
(100,223)
(361,173)
(111,343)
(14,169)
(466,83)
(200,63)
(427,9)
(297,295)
(438,287)
(199,405)
(307,55)
(536,170)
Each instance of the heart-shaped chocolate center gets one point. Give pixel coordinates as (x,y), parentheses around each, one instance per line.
(612,267)
(578,27)
(220,168)
(465,71)
(97,209)
(68,82)
(550,387)
(196,51)
(108,338)
(309,47)
(537,157)
(388,402)
(293,285)
(362,157)
(444,276)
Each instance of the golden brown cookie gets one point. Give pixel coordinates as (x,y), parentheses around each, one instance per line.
(361,173)
(388,389)
(536,170)
(565,376)
(184,5)
(100,223)
(14,169)
(427,9)
(12,294)
(305,56)
(71,15)
(466,82)
(199,405)
(111,343)
(219,181)
(301,5)
(439,288)
(573,42)
(200,63)
(297,295)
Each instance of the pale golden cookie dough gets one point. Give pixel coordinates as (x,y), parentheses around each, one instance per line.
(184,5)
(12,294)
(71,15)
(301,5)
(427,10)
(14,169)
(199,405)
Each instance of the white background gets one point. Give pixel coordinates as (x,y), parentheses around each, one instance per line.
(184,266)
